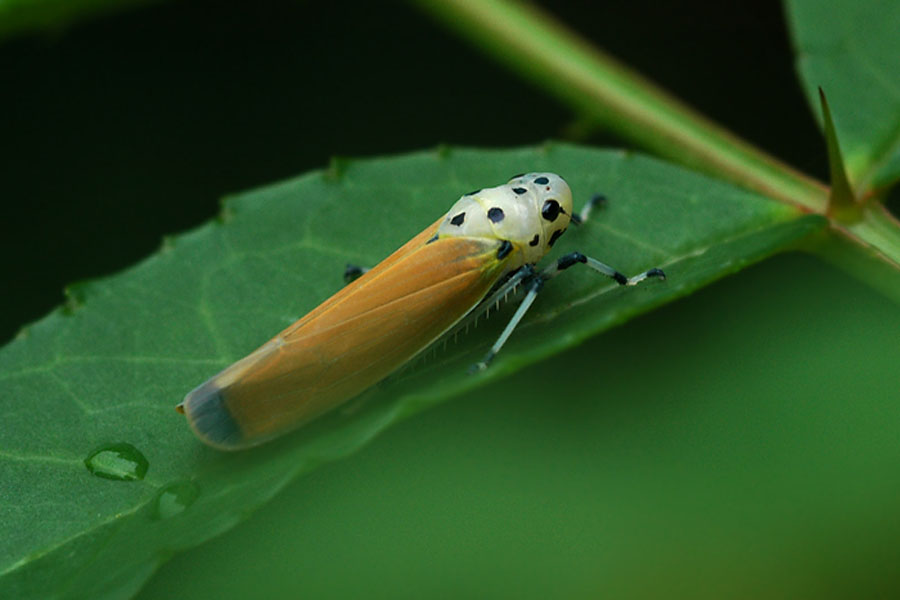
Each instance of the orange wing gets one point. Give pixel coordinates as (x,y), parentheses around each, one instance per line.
(407,248)
(348,343)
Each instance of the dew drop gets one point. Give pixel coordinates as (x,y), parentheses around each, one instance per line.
(174,499)
(120,461)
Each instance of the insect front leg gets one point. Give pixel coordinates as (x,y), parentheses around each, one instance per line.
(574,258)
(596,201)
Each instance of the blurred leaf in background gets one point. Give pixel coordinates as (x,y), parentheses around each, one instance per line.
(21,17)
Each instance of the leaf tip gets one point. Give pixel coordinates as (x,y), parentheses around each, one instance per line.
(842,202)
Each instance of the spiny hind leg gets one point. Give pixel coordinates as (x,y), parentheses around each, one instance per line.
(533,285)
(535,282)
(493,300)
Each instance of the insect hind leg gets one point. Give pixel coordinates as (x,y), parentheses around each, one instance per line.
(534,282)
(493,300)
(534,285)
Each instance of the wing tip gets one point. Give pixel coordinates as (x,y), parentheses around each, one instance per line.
(209,417)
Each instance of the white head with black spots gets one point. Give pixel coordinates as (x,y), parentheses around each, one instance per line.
(531,211)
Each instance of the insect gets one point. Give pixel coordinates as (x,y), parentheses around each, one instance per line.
(485,247)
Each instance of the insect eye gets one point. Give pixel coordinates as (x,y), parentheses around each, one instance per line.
(550,210)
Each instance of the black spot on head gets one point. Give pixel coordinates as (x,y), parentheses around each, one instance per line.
(516,176)
(534,241)
(519,191)
(458,219)
(555,236)
(542,181)
(473,193)
(504,249)
(495,214)
(550,210)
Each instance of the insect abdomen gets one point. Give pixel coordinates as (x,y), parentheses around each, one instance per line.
(357,340)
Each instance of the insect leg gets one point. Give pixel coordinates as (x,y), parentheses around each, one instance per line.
(535,282)
(596,200)
(353,272)
(499,295)
(534,286)
(574,258)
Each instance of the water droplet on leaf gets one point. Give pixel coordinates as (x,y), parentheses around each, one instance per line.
(120,461)
(174,498)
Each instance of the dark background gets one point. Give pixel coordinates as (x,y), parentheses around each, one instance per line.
(124,129)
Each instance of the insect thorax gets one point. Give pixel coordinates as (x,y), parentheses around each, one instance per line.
(531,211)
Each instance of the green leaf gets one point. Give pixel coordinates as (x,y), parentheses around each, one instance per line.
(740,443)
(850,48)
(23,16)
(107,370)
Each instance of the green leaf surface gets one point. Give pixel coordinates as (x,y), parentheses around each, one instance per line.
(740,443)
(850,48)
(107,369)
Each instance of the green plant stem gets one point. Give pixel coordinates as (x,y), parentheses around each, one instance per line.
(879,230)
(534,43)
(605,91)
(868,249)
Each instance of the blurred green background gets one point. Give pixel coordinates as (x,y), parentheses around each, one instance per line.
(740,442)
